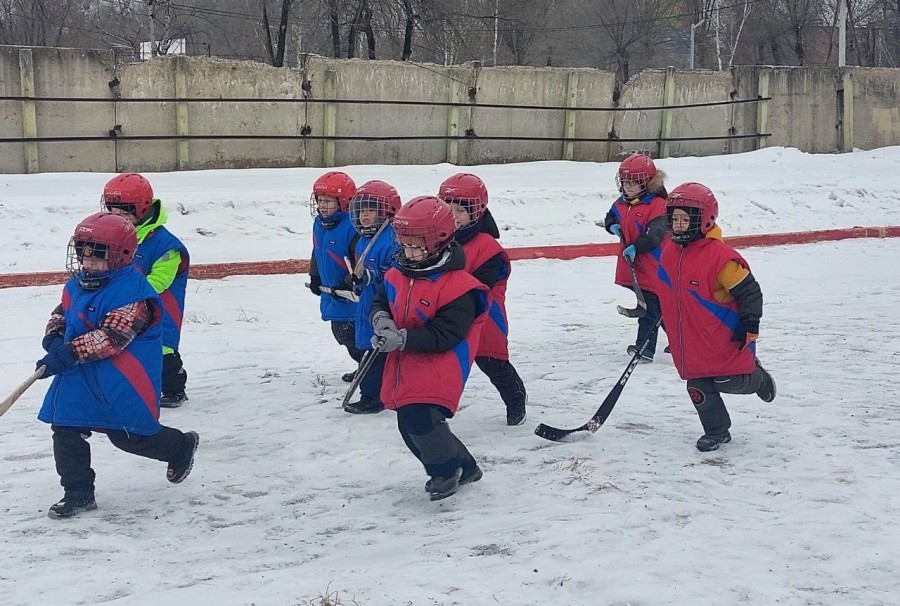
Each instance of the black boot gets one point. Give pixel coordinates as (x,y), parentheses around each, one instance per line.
(173,400)
(73,503)
(711,441)
(515,413)
(348,377)
(468,477)
(365,406)
(766,391)
(442,487)
(644,359)
(179,470)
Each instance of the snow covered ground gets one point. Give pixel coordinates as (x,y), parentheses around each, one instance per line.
(293,502)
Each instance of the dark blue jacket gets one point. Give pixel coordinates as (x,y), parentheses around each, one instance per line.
(379,259)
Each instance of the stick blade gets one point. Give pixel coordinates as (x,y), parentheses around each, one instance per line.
(637,312)
(555,434)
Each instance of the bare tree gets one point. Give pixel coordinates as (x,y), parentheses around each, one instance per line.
(275,53)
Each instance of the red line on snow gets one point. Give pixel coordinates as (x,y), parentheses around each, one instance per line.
(213,271)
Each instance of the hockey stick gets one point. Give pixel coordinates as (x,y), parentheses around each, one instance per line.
(364,365)
(18,391)
(357,270)
(558,435)
(641,307)
(340,293)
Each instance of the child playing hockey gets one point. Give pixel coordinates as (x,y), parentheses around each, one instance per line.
(429,313)
(164,260)
(332,234)
(373,206)
(637,217)
(103,346)
(711,306)
(487,261)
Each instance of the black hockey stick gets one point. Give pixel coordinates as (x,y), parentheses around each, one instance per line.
(558,435)
(364,365)
(641,308)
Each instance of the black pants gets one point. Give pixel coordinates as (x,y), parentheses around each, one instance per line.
(504,377)
(72,452)
(345,334)
(174,376)
(709,404)
(647,322)
(370,386)
(427,434)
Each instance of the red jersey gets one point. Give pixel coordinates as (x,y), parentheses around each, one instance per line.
(494,341)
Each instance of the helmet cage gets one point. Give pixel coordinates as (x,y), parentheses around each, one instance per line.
(111,202)
(433,246)
(332,219)
(694,230)
(474,206)
(364,201)
(78,250)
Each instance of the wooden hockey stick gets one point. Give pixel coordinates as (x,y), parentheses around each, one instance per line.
(341,293)
(357,270)
(18,391)
(364,365)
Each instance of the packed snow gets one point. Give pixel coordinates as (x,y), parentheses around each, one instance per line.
(294,502)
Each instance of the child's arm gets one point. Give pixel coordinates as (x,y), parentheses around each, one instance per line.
(653,235)
(741,285)
(116,332)
(446,329)
(57,323)
(163,272)
(489,272)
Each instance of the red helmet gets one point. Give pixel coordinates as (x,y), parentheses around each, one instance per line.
(130,192)
(700,204)
(376,195)
(468,191)
(106,235)
(335,184)
(427,217)
(638,168)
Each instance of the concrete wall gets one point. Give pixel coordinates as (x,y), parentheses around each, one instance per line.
(812,109)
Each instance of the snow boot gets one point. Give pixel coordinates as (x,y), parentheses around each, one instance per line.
(442,487)
(515,412)
(467,477)
(72,503)
(365,406)
(645,359)
(766,391)
(711,441)
(180,469)
(173,400)
(348,377)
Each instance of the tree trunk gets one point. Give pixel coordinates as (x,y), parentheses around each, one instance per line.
(282,32)
(335,32)
(798,45)
(370,34)
(406,53)
(270,52)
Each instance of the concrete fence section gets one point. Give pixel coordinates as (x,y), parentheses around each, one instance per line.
(186,113)
(215,271)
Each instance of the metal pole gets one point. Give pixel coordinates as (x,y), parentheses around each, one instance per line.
(693,27)
(842,33)
(496,27)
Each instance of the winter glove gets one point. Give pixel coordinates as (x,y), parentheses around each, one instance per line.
(52,341)
(746,333)
(393,340)
(360,282)
(315,285)
(629,253)
(615,229)
(59,359)
(383,324)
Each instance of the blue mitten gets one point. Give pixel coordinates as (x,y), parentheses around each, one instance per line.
(52,341)
(616,230)
(629,253)
(59,359)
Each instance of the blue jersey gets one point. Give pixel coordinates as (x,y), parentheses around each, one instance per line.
(330,246)
(378,260)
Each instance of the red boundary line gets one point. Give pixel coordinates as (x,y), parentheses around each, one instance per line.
(213,271)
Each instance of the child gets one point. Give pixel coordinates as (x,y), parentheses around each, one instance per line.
(487,261)
(374,204)
(165,261)
(104,346)
(332,234)
(429,313)
(638,219)
(711,306)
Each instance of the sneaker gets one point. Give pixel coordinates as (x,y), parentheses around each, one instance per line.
(515,413)
(365,406)
(467,477)
(348,377)
(180,469)
(72,503)
(173,400)
(766,391)
(442,487)
(645,359)
(711,441)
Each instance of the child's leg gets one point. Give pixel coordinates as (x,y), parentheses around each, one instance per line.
(647,322)
(504,377)
(427,434)
(345,334)
(174,376)
(72,454)
(710,407)
(759,382)
(170,445)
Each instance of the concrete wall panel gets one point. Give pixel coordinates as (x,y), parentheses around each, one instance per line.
(595,89)
(876,107)
(803,110)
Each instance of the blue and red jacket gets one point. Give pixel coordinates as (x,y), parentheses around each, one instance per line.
(633,219)
(120,392)
(494,341)
(699,326)
(412,377)
(153,247)
(330,246)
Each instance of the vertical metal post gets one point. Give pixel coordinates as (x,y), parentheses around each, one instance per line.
(665,130)
(329,118)
(842,33)
(453,119)
(847,118)
(571,101)
(693,27)
(762,107)
(29,111)
(182,146)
